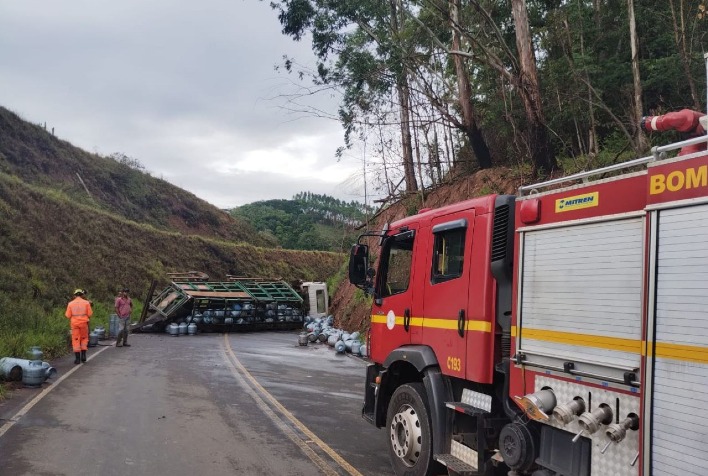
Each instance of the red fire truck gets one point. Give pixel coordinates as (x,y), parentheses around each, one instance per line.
(561,331)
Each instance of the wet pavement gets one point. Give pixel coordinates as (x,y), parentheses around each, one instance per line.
(248,404)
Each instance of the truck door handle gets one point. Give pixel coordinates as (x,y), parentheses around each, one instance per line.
(461,323)
(406,319)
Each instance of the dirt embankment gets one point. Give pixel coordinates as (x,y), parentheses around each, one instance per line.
(351,311)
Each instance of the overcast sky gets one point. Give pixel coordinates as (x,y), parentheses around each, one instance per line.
(187,88)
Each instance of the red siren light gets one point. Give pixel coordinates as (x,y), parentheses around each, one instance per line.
(530,211)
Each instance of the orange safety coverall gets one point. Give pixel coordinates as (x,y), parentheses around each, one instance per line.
(79,312)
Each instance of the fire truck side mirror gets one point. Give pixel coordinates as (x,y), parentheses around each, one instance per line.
(359,266)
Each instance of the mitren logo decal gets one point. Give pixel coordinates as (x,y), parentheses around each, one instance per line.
(679,180)
(577,202)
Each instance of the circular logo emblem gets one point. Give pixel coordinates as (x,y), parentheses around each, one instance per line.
(390,320)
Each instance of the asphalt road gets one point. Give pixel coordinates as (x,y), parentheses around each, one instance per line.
(245,404)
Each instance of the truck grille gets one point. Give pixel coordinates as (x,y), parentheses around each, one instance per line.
(500,232)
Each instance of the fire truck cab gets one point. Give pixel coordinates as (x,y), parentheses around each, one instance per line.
(558,332)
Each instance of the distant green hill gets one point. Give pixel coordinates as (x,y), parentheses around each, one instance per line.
(307,222)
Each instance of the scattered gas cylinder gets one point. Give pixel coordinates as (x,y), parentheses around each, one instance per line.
(312,337)
(49,371)
(93,339)
(173,329)
(302,339)
(113,325)
(35,353)
(332,339)
(192,329)
(182,329)
(33,375)
(322,338)
(13,369)
(363,351)
(348,344)
(356,346)
(100,332)
(340,347)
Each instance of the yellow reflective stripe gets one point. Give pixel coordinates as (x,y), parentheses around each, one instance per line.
(513,331)
(584,340)
(478,326)
(376,319)
(686,353)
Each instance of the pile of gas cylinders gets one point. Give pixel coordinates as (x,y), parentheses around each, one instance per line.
(247,313)
(321,330)
(33,371)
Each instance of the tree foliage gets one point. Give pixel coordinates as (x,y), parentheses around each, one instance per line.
(307,222)
(579,101)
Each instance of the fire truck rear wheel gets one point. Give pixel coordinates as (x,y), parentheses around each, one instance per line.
(410,440)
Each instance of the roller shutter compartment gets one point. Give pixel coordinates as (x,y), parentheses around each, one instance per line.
(680,386)
(582,293)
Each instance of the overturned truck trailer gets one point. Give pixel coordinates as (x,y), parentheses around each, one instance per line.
(239,304)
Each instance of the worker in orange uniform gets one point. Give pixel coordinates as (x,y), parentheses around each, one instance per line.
(79,311)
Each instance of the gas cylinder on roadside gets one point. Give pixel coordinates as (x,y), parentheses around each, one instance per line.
(173,329)
(35,353)
(33,375)
(93,339)
(100,332)
(302,339)
(182,329)
(113,325)
(192,329)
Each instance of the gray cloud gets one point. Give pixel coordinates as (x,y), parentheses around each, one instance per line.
(189,89)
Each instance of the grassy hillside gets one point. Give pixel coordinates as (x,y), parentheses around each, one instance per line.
(132,229)
(33,155)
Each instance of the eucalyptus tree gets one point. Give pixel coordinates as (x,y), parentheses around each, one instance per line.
(358,45)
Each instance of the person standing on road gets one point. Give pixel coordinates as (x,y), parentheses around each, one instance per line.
(79,311)
(124,306)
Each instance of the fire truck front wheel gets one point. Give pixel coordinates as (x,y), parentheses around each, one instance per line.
(410,443)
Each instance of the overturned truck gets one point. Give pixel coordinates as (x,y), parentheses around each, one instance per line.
(238,304)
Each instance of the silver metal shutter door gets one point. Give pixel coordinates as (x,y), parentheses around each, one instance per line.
(585,280)
(680,434)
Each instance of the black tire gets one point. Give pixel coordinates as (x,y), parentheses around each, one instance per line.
(410,442)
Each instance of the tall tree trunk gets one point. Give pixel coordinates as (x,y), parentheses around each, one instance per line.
(640,140)
(403,92)
(544,160)
(593,146)
(680,39)
(472,130)
(436,142)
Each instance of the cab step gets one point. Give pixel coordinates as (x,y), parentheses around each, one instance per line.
(473,403)
(462,460)
(456,465)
